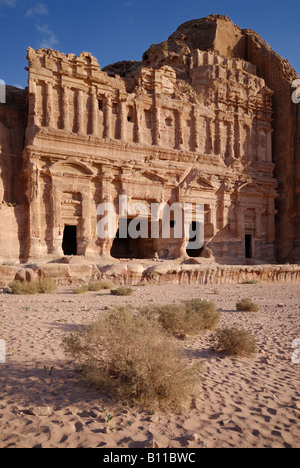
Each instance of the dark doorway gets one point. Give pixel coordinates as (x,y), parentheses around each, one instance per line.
(248,246)
(69,245)
(125,246)
(121,248)
(194,247)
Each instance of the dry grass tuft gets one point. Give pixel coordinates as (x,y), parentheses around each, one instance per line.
(131,357)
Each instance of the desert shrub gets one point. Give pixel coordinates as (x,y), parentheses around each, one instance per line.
(234,342)
(188,317)
(205,312)
(24,287)
(45,286)
(246,305)
(122,291)
(131,357)
(81,289)
(96,286)
(101,285)
(173,319)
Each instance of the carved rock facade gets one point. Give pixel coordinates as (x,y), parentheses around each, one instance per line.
(183,126)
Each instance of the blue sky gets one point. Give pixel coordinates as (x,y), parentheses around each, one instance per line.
(124,29)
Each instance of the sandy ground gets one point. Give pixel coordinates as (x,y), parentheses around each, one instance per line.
(242,402)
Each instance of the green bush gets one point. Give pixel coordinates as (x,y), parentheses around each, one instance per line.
(234,342)
(131,357)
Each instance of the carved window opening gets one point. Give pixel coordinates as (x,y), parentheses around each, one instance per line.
(194,247)
(69,245)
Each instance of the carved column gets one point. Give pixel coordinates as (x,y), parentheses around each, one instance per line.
(179,130)
(218,140)
(94,113)
(86,233)
(212,135)
(66,109)
(226,203)
(138,124)
(202,133)
(157,124)
(247,144)
(195,128)
(49,105)
(105,244)
(237,138)
(208,146)
(213,217)
(80,113)
(108,117)
(122,120)
(57,228)
(230,140)
(33,194)
(33,108)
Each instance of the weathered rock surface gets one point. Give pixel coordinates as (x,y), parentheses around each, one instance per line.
(135,274)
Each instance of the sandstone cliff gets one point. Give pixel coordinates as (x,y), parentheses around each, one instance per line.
(13,204)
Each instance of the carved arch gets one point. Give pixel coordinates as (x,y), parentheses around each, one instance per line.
(71,167)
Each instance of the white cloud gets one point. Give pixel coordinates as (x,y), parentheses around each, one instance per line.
(18,85)
(49,40)
(38,10)
(10,3)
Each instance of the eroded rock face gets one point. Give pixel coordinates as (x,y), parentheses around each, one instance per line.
(191,123)
(13,202)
